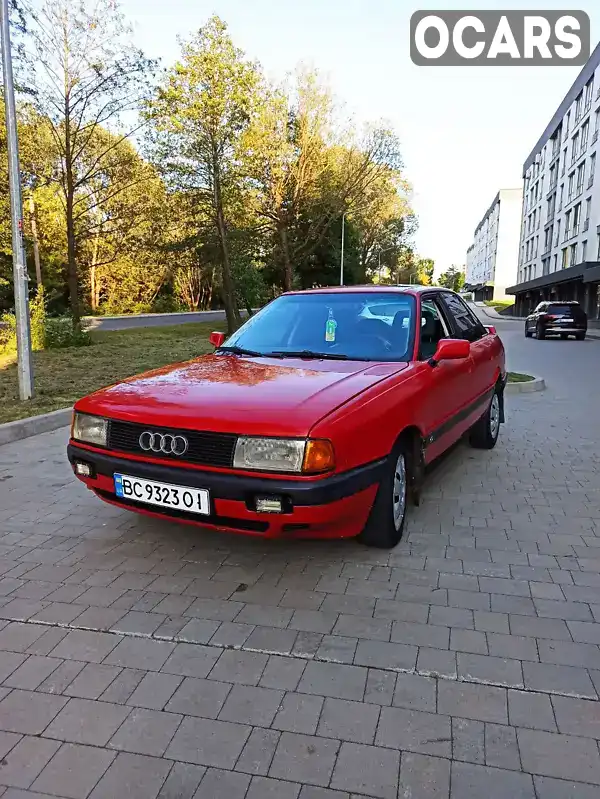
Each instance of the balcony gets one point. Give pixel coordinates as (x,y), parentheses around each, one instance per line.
(590,182)
(586,225)
(595,137)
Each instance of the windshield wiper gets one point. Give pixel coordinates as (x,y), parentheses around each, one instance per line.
(238,351)
(332,356)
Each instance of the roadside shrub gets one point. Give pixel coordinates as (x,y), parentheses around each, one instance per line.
(8,332)
(46,332)
(37,316)
(60,333)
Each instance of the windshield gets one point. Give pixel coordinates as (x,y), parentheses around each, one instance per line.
(332,325)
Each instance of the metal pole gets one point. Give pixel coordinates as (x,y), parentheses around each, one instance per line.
(342,257)
(16,210)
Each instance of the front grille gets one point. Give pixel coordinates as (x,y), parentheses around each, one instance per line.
(207,449)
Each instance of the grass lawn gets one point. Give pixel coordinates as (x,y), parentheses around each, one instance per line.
(499,304)
(517,377)
(63,376)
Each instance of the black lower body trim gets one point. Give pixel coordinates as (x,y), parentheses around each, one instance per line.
(459,417)
(236,486)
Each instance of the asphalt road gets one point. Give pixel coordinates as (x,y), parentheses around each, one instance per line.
(152,320)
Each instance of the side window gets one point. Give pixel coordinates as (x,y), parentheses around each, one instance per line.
(541,307)
(467,325)
(433,328)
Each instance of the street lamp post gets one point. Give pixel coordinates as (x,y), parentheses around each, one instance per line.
(24,367)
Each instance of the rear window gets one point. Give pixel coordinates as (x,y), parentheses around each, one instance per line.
(564,310)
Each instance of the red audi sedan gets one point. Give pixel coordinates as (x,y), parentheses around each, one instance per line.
(315,419)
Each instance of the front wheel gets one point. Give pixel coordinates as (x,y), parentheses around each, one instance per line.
(484,433)
(540,333)
(385,524)
(528,332)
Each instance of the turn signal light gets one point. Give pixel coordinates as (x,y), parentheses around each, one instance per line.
(318,457)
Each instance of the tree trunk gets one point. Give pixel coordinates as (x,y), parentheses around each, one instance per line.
(228,289)
(288,275)
(94,288)
(72,278)
(36,243)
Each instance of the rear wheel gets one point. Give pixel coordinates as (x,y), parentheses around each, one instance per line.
(540,332)
(484,433)
(580,336)
(385,524)
(564,336)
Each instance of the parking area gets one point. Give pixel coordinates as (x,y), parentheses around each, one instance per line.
(146,659)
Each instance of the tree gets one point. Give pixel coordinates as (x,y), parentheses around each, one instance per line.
(85,74)
(305,172)
(201,110)
(453,278)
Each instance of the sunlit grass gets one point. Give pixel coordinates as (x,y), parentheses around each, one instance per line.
(63,376)
(517,377)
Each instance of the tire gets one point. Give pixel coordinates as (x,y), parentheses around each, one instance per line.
(540,333)
(580,336)
(528,333)
(564,336)
(385,524)
(484,433)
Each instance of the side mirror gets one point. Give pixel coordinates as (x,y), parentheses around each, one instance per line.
(216,339)
(490,329)
(451,349)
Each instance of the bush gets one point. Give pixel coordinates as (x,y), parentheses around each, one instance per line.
(60,333)
(37,316)
(46,333)
(8,332)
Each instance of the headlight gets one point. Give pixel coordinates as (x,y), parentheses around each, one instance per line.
(283,455)
(91,429)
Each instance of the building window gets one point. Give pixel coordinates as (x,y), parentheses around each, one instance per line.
(592,169)
(588,211)
(571,185)
(564,162)
(583,250)
(580,177)
(557,238)
(573,258)
(565,258)
(578,107)
(589,90)
(574,147)
(554,263)
(585,132)
(576,219)
(598,251)
(548,239)
(560,198)
(567,225)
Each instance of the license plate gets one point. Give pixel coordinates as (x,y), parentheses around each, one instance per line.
(566,322)
(165,495)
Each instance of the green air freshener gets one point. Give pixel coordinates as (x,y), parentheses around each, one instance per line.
(330,327)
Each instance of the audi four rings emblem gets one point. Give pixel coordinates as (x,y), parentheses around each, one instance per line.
(167,444)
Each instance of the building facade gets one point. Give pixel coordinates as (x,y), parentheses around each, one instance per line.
(559,251)
(492,258)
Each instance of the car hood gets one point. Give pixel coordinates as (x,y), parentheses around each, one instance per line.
(226,393)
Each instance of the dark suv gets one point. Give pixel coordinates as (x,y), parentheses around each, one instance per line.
(562,319)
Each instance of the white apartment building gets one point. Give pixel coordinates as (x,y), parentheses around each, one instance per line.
(492,258)
(559,254)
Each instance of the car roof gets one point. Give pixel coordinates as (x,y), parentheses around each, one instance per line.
(371,289)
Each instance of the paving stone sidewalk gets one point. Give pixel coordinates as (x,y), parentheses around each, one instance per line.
(149,660)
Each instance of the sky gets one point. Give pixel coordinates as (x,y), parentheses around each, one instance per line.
(465,131)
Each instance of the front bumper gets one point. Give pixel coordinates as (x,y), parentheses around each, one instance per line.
(335,506)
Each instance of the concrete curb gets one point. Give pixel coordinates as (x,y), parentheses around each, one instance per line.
(33,425)
(537,384)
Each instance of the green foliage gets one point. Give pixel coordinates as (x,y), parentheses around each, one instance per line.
(453,278)
(38,320)
(8,333)
(61,332)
